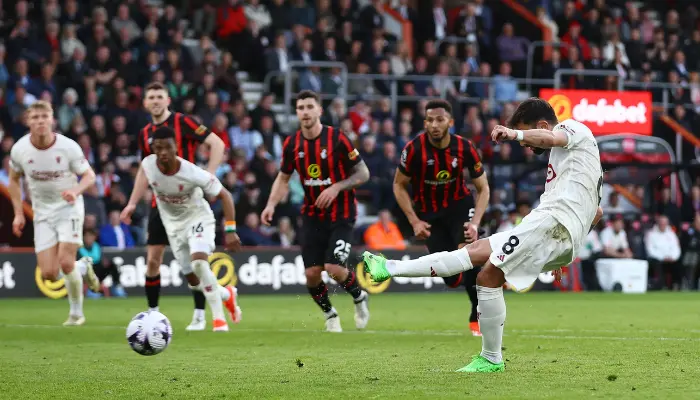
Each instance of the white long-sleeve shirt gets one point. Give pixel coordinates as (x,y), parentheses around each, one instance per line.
(661,245)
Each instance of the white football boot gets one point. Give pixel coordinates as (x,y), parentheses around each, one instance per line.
(362,311)
(197,324)
(74,320)
(333,324)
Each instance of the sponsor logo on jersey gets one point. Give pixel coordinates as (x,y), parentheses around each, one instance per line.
(318,182)
(174,199)
(313,170)
(604,112)
(46,175)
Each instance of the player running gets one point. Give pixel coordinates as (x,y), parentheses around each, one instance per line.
(179,187)
(443,212)
(330,169)
(52,163)
(546,239)
(188,136)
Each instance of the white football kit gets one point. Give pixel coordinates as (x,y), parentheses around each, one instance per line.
(49,172)
(551,236)
(186,214)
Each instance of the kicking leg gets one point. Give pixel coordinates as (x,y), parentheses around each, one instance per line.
(492,316)
(74,281)
(443,264)
(319,292)
(347,279)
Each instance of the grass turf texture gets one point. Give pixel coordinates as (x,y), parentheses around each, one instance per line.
(556,346)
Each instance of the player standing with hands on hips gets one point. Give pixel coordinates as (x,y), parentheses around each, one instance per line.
(52,163)
(548,238)
(330,169)
(188,136)
(180,188)
(443,212)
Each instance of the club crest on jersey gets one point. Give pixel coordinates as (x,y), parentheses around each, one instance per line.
(455,161)
(181,187)
(550,173)
(31,161)
(200,130)
(324,153)
(431,162)
(301,154)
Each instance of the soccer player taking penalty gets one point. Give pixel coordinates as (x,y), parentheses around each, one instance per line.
(180,188)
(52,163)
(547,239)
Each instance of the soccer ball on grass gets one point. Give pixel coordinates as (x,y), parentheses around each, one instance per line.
(149,333)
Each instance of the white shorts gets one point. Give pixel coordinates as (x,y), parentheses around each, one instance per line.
(196,237)
(538,244)
(66,228)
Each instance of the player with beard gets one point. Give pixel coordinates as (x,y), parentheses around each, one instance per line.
(549,237)
(189,135)
(442,211)
(330,169)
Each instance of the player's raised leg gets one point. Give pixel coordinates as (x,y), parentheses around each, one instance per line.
(442,264)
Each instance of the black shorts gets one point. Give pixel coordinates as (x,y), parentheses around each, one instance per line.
(157,236)
(326,242)
(447,229)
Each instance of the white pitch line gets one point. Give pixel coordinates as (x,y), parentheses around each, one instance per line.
(513,333)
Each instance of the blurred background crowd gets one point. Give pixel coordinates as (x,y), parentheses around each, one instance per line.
(224,62)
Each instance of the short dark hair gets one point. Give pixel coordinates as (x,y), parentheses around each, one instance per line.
(532,110)
(439,103)
(155,85)
(163,133)
(309,94)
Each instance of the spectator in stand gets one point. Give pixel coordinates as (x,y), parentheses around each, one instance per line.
(286,236)
(614,239)
(663,251)
(251,234)
(384,234)
(505,87)
(668,208)
(513,49)
(116,234)
(574,39)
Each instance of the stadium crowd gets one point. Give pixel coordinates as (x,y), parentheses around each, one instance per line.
(91,59)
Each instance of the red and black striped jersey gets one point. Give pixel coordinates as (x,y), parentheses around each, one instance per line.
(437,176)
(188,136)
(321,162)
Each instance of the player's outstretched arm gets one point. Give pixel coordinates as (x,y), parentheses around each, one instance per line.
(540,138)
(216,152)
(280,188)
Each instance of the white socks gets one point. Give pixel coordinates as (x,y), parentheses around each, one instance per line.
(492,316)
(443,264)
(210,288)
(198,314)
(74,286)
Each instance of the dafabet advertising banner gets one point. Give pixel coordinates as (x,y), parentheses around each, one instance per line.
(604,112)
(264,271)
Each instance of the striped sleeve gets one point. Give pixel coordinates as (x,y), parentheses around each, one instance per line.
(349,155)
(191,130)
(287,166)
(407,159)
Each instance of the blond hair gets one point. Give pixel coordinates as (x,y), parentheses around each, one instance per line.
(40,105)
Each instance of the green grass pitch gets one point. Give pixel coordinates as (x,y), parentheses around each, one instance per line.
(557,346)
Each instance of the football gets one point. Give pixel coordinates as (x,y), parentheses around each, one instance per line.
(149,333)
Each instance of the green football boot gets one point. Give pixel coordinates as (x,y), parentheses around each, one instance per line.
(375,266)
(480,364)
